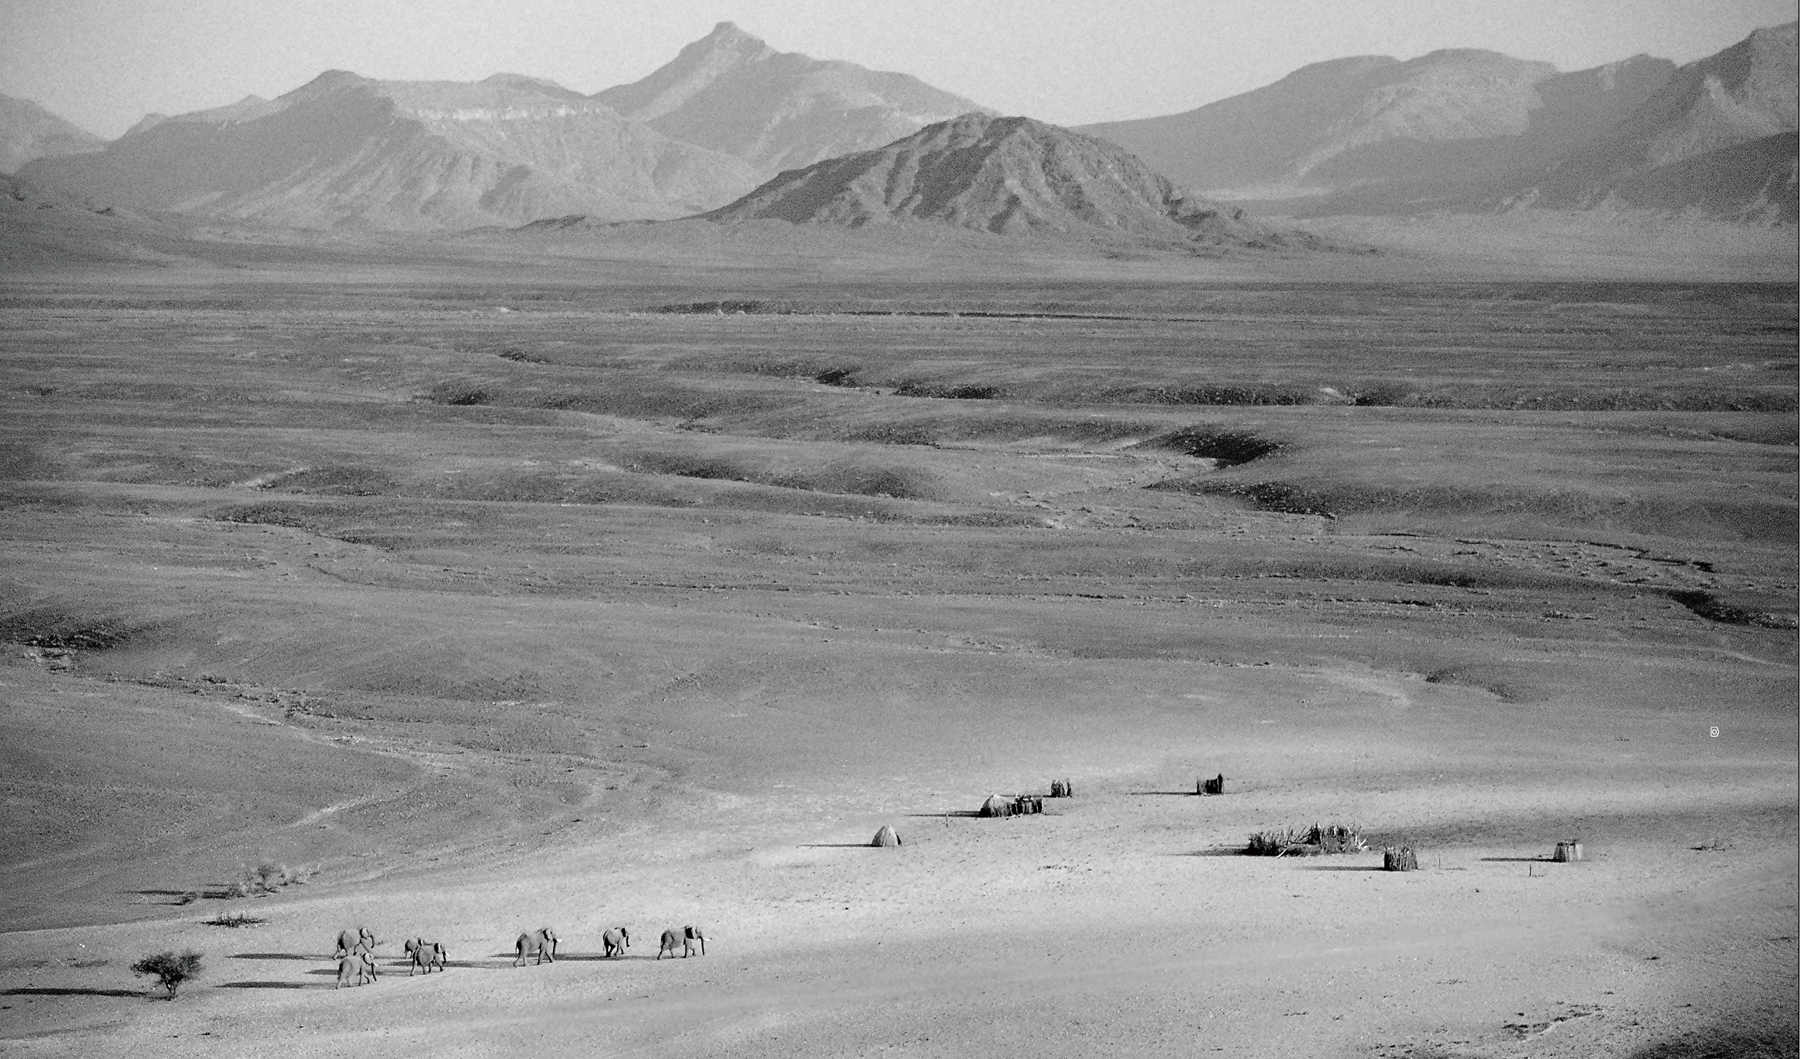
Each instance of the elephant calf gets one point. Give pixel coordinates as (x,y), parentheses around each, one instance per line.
(685,937)
(426,954)
(615,941)
(541,941)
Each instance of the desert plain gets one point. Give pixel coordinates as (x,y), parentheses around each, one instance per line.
(610,580)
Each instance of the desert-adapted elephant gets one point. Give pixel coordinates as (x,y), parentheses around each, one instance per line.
(685,937)
(355,968)
(348,941)
(615,941)
(541,941)
(425,954)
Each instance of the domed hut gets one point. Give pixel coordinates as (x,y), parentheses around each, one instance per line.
(996,806)
(886,837)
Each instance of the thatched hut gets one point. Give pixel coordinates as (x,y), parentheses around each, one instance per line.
(1062,789)
(995,806)
(1026,804)
(1402,859)
(1567,852)
(886,837)
(1216,785)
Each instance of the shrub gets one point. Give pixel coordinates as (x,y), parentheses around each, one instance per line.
(234,919)
(264,878)
(169,969)
(1307,841)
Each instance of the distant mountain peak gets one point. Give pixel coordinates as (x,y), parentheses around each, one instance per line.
(730,91)
(28,131)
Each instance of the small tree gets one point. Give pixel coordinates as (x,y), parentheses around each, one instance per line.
(170,970)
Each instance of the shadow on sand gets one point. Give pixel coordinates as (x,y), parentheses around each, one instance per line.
(273,985)
(951,812)
(837,845)
(309,957)
(1524,860)
(50,990)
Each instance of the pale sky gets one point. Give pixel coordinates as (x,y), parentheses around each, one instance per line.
(103,64)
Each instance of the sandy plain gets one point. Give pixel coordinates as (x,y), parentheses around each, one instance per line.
(504,595)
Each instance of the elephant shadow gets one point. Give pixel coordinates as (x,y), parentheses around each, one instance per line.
(278,956)
(49,990)
(595,957)
(274,985)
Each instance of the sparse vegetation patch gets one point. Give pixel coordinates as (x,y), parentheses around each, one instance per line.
(1307,841)
(264,879)
(235,919)
(948,391)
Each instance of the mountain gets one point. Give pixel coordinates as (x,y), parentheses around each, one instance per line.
(1282,140)
(1718,135)
(1474,130)
(348,151)
(1010,176)
(29,131)
(731,92)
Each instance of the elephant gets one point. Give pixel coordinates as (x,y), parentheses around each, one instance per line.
(541,941)
(356,968)
(616,941)
(426,954)
(685,937)
(350,941)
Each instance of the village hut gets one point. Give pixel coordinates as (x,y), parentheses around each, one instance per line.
(1216,785)
(995,806)
(885,837)
(1567,852)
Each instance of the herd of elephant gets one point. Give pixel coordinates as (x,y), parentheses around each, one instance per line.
(355,952)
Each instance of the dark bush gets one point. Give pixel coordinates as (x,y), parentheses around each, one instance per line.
(169,969)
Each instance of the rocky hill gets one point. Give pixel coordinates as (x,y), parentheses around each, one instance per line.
(29,131)
(731,92)
(1011,176)
(348,151)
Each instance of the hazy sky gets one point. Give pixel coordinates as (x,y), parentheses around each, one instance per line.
(103,64)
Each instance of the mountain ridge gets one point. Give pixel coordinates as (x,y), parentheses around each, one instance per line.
(348,151)
(1469,130)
